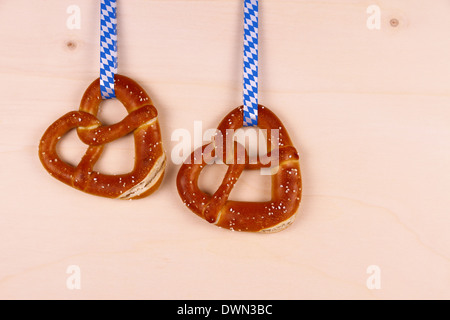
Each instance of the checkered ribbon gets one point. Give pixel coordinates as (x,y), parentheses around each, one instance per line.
(108,48)
(250,63)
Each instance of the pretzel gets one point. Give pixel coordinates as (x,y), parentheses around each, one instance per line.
(142,120)
(271,216)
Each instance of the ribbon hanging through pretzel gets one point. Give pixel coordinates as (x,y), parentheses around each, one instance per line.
(108,47)
(250,81)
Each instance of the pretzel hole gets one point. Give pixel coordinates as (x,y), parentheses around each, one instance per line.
(250,187)
(111,111)
(70,149)
(117,156)
(211,177)
(254,139)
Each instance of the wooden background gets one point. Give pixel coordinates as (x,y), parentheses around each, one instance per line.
(369,111)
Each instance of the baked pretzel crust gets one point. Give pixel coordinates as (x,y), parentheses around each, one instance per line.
(271,216)
(142,121)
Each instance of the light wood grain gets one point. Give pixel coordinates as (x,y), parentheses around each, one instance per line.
(369,111)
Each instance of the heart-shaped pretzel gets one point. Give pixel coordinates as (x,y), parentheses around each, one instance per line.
(271,216)
(142,120)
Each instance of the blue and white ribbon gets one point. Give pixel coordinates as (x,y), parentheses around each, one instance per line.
(250,63)
(108,48)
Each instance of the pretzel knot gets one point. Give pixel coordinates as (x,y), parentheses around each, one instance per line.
(150,160)
(271,216)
